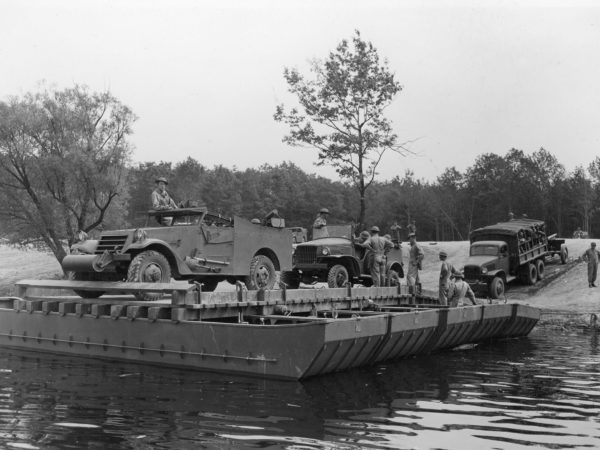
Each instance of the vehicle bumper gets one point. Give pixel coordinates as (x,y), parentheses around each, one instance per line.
(92,263)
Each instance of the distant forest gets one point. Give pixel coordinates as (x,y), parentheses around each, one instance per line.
(445,209)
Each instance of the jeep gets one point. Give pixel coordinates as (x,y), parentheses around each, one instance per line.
(338,261)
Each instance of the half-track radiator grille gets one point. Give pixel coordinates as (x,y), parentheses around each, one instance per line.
(112,243)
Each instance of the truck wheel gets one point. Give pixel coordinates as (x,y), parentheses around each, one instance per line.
(539,265)
(337,276)
(564,255)
(149,267)
(290,279)
(85,276)
(497,288)
(262,273)
(530,274)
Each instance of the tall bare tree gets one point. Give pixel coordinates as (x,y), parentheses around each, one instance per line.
(341,112)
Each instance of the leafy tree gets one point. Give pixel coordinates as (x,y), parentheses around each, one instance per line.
(63,157)
(341,112)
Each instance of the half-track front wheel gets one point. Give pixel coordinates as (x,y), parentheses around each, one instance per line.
(149,267)
(262,273)
(337,276)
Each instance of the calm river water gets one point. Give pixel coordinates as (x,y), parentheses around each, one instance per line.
(538,392)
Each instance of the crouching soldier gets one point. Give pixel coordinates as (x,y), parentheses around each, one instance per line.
(459,290)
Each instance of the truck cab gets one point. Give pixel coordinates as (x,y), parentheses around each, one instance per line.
(488,263)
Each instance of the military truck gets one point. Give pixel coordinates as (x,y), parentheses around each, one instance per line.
(198,246)
(509,251)
(337,260)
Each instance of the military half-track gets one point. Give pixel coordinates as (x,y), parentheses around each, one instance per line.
(198,246)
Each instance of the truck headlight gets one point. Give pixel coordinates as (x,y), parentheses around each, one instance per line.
(484,270)
(139,235)
(325,251)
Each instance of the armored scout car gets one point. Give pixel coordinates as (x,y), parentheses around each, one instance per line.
(199,246)
(508,251)
(337,260)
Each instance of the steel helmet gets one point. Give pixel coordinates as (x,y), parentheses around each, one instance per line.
(374,229)
(163,179)
(324,211)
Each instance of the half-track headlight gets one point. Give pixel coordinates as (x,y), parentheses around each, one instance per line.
(139,235)
(325,251)
(80,236)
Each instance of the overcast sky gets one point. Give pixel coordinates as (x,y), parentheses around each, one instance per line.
(204,77)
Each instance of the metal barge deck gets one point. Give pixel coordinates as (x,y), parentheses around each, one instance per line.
(288,334)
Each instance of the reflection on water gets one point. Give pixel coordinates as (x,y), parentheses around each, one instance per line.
(543,391)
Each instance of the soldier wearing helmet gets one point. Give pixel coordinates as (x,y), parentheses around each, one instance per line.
(379,247)
(320,224)
(161,200)
(459,290)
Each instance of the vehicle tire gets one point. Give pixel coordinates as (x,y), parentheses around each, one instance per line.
(564,255)
(262,273)
(337,276)
(149,267)
(530,274)
(497,288)
(541,269)
(393,278)
(208,284)
(85,276)
(290,279)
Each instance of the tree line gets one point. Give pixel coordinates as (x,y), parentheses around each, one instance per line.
(449,208)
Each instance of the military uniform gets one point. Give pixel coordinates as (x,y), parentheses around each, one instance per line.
(446,270)
(379,247)
(459,290)
(161,201)
(414,263)
(320,224)
(591,257)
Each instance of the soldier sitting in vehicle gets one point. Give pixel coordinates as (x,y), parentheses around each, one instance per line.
(359,244)
(161,200)
(320,224)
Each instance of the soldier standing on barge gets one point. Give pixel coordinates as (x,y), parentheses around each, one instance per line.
(460,290)
(591,256)
(379,246)
(446,270)
(414,261)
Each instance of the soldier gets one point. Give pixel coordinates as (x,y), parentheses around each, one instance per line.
(412,227)
(379,247)
(591,256)
(161,200)
(396,229)
(320,224)
(459,290)
(414,261)
(446,270)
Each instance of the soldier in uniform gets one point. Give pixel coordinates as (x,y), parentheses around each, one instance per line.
(446,270)
(591,257)
(161,200)
(320,224)
(412,227)
(459,290)
(379,247)
(414,261)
